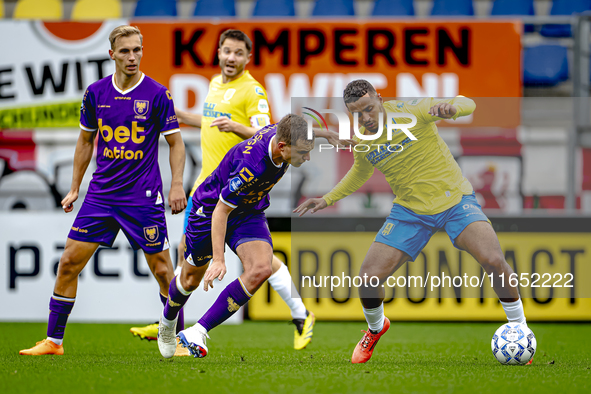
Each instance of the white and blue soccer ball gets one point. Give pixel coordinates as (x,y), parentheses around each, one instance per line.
(513,344)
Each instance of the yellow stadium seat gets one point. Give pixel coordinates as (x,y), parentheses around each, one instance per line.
(96,10)
(39,9)
(1,8)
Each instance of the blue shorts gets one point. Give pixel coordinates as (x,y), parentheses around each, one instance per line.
(242,228)
(144,226)
(409,232)
(187,213)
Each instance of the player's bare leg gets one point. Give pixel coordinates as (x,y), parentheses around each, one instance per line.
(256,257)
(181,252)
(304,321)
(74,259)
(381,261)
(480,240)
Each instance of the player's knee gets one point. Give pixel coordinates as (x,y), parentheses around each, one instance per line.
(161,273)
(493,262)
(68,266)
(261,273)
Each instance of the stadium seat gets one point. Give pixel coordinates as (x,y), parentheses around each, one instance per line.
(393,8)
(85,10)
(155,8)
(39,9)
(333,8)
(545,65)
(564,7)
(514,7)
(452,7)
(1,8)
(215,8)
(274,8)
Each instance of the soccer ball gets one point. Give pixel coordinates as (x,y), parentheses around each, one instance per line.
(513,344)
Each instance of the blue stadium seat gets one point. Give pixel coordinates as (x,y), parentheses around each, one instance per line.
(333,8)
(155,8)
(393,8)
(274,8)
(214,8)
(545,65)
(514,7)
(452,7)
(564,7)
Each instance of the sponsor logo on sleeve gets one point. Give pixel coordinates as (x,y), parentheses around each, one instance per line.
(260,121)
(258,90)
(263,106)
(235,183)
(246,175)
(414,102)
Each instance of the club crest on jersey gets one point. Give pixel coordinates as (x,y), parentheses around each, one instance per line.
(235,183)
(246,175)
(140,107)
(229,94)
(151,233)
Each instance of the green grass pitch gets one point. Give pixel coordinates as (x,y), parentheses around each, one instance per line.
(258,357)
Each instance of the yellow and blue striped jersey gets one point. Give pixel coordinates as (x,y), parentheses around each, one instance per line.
(424,176)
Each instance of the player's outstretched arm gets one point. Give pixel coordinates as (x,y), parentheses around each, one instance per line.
(333,137)
(312,204)
(176,197)
(188,118)
(219,221)
(82,157)
(451,108)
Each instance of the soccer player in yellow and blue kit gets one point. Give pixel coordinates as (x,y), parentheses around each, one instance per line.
(431,194)
(235,108)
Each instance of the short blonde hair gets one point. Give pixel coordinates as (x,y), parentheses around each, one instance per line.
(124,31)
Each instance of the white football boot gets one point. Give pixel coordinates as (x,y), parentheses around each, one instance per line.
(167,339)
(194,338)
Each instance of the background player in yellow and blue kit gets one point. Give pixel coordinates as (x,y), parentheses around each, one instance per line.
(431,194)
(235,108)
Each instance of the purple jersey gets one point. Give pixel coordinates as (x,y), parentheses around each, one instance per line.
(243,179)
(130,123)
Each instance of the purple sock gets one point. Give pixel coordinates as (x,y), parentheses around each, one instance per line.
(59,310)
(178,300)
(228,302)
(180,323)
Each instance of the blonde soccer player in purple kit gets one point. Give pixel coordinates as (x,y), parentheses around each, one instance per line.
(228,208)
(129,112)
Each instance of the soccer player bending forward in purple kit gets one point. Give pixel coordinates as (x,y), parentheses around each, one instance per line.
(228,207)
(130,112)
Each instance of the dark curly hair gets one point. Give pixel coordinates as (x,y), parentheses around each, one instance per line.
(356,89)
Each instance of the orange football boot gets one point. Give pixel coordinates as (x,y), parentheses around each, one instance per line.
(42,348)
(364,348)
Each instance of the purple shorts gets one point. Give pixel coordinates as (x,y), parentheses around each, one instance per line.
(240,229)
(144,226)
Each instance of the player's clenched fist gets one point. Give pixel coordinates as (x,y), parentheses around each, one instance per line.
(177,200)
(68,201)
(217,269)
(443,110)
(312,204)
